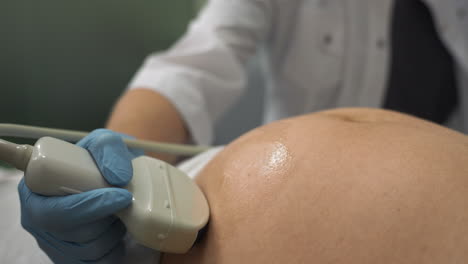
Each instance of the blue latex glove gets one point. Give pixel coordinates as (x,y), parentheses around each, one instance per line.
(82,228)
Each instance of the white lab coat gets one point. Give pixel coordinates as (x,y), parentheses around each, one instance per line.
(316,54)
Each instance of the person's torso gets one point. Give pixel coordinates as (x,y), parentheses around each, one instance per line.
(337,53)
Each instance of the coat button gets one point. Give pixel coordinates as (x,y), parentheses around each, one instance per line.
(381,43)
(327,39)
(461,13)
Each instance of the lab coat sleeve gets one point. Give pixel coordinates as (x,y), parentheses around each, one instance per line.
(204,72)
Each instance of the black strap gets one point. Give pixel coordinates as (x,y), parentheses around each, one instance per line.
(422,77)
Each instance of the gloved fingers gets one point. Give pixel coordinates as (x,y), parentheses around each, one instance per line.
(66,212)
(115,256)
(91,251)
(111,155)
(135,151)
(55,255)
(87,232)
(45,244)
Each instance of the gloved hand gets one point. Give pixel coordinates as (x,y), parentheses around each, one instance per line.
(82,228)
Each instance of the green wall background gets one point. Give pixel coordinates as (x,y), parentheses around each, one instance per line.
(64,63)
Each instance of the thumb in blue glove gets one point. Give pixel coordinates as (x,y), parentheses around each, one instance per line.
(81,227)
(111,155)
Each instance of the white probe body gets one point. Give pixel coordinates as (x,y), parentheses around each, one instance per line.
(168,208)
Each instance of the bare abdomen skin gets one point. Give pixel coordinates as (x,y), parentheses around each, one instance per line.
(345,186)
